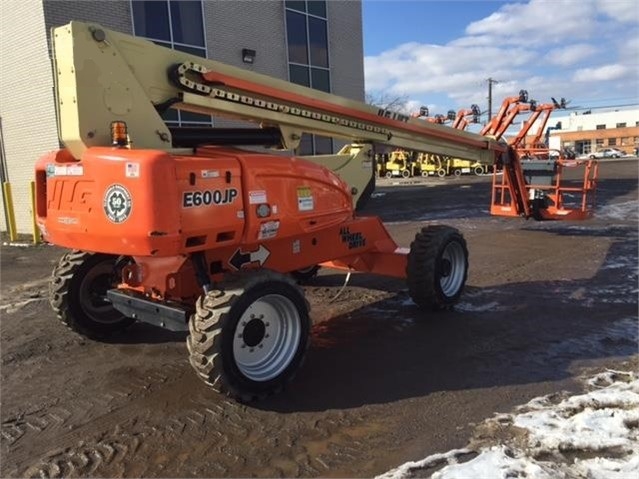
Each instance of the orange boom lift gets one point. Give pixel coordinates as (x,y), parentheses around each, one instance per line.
(532,183)
(180,228)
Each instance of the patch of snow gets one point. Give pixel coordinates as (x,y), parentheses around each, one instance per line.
(620,211)
(498,463)
(600,423)
(434,460)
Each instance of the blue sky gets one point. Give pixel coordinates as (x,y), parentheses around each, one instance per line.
(439,53)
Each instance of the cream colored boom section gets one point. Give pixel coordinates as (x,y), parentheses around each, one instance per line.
(104,76)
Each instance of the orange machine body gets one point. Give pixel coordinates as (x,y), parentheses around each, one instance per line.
(240,209)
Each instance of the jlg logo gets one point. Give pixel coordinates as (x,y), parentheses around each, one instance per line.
(208,197)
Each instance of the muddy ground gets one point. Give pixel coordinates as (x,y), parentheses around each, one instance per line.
(383,382)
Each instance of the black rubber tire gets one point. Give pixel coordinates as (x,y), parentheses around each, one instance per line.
(479,170)
(213,329)
(305,275)
(457,172)
(388,175)
(405,174)
(426,267)
(592,157)
(69,294)
(441,172)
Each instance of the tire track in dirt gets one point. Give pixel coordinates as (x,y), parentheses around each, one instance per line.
(47,424)
(226,438)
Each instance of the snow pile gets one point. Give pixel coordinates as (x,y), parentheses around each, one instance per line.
(593,435)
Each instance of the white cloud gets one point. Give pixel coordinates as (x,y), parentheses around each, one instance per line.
(417,69)
(571,54)
(581,50)
(539,21)
(626,11)
(601,73)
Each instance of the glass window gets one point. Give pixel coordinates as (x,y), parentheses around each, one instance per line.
(317,7)
(307,39)
(151,19)
(171,116)
(194,117)
(323,145)
(299,74)
(296,5)
(318,42)
(612,141)
(621,125)
(178,25)
(296,35)
(201,52)
(186,20)
(306,145)
(601,127)
(320,79)
(599,142)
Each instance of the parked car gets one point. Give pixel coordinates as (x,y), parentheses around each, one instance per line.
(607,153)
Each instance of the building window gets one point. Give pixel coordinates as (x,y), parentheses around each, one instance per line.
(308,62)
(612,142)
(601,127)
(599,142)
(621,125)
(177,24)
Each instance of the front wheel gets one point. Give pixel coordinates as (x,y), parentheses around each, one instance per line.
(405,174)
(437,267)
(249,341)
(77,294)
(479,170)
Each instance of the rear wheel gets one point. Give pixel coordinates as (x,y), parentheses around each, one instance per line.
(441,172)
(437,267)
(250,340)
(77,294)
(457,172)
(479,170)
(405,174)
(389,175)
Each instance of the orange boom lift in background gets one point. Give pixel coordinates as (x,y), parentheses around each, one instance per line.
(179,228)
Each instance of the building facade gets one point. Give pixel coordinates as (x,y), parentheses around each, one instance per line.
(587,132)
(313,43)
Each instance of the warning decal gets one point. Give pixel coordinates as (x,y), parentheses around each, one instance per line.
(305,199)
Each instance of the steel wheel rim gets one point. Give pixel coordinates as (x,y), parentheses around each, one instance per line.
(452,268)
(92,292)
(267,337)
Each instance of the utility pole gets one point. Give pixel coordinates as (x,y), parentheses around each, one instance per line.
(490,81)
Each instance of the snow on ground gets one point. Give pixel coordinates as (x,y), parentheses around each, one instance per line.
(594,435)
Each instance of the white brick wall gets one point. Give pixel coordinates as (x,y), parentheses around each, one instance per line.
(26,99)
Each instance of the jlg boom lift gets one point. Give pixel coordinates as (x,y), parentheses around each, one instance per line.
(179,228)
(174,227)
